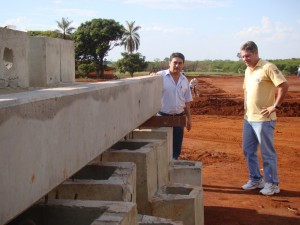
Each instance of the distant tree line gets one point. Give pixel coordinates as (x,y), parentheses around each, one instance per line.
(94,39)
(287,66)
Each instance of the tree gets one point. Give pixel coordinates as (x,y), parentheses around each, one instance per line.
(85,69)
(131,62)
(93,40)
(64,25)
(131,39)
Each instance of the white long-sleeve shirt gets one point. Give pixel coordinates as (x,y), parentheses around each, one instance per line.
(174,96)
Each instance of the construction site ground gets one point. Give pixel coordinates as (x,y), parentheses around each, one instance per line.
(216,141)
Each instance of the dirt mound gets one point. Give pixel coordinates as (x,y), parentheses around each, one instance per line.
(212,100)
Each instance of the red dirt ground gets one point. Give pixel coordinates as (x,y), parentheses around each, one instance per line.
(215,140)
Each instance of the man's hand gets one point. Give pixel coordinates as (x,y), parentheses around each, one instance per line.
(189,125)
(266,111)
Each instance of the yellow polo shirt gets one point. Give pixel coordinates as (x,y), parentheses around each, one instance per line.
(260,88)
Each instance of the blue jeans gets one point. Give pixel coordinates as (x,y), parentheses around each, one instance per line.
(262,134)
(177,141)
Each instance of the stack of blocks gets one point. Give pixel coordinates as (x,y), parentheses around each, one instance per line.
(134,179)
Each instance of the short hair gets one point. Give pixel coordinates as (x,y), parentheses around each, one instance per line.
(249,46)
(176,54)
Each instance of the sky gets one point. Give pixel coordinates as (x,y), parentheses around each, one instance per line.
(200,29)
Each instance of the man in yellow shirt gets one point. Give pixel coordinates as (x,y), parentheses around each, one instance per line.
(262,82)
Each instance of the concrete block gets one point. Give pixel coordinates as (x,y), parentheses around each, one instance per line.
(179,202)
(186,172)
(27,61)
(161,133)
(14,58)
(77,212)
(52,61)
(106,181)
(147,220)
(144,155)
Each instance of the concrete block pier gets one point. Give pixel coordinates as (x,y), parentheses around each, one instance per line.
(161,133)
(144,154)
(148,220)
(186,172)
(106,181)
(179,202)
(78,212)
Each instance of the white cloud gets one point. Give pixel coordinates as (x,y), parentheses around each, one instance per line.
(20,23)
(266,30)
(179,4)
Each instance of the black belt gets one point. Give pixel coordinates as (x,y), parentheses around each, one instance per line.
(166,114)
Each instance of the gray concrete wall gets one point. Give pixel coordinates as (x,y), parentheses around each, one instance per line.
(47,135)
(27,61)
(51,61)
(14,55)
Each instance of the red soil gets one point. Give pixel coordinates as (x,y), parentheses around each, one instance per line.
(215,140)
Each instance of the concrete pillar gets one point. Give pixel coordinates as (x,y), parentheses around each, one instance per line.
(77,212)
(180,202)
(186,172)
(148,220)
(161,133)
(106,181)
(144,155)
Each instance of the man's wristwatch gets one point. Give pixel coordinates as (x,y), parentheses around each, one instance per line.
(277,107)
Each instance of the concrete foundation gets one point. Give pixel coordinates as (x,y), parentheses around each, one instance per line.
(161,133)
(186,172)
(147,220)
(179,202)
(106,181)
(144,155)
(78,212)
(52,133)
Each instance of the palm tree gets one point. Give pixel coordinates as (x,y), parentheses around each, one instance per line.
(131,39)
(64,25)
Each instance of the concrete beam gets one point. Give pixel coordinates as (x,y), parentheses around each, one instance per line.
(47,135)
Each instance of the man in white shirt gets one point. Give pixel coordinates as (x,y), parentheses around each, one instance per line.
(176,98)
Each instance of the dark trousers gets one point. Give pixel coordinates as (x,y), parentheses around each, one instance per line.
(177,141)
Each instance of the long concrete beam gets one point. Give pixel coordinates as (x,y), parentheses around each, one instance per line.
(49,134)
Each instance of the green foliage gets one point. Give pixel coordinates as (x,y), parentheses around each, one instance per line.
(131,62)
(86,68)
(287,66)
(157,65)
(93,39)
(48,33)
(223,67)
(212,66)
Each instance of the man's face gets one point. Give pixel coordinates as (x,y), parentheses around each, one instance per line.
(250,58)
(176,65)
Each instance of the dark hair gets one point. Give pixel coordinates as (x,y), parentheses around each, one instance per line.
(249,46)
(176,54)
